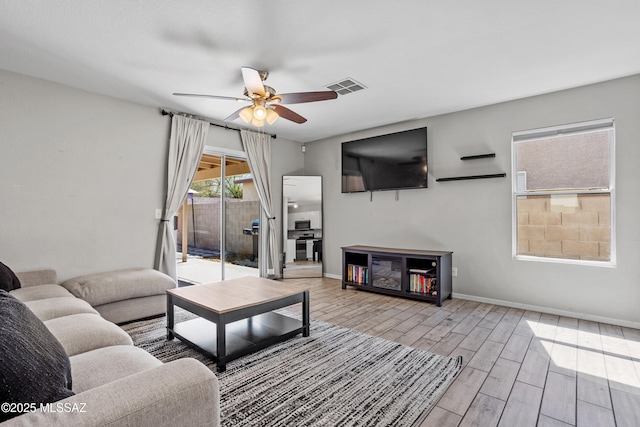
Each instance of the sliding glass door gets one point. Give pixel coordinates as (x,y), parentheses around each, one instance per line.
(222,227)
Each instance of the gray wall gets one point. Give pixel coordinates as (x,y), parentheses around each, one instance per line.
(80,178)
(473,218)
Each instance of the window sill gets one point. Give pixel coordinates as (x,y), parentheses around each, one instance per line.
(609,264)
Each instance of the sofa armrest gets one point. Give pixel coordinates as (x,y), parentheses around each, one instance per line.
(183,392)
(38,277)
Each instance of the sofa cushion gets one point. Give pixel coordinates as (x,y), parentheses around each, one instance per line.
(44,276)
(111,286)
(133,309)
(37,292)
(104,365)
(85,332)
(51,308)
(8,279)
(34,368)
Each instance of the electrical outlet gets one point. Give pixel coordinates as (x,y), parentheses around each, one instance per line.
(158,213)
(454,271)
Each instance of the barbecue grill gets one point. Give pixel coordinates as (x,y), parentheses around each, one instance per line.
(254,232)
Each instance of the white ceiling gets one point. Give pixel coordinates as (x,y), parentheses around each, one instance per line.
(418,58)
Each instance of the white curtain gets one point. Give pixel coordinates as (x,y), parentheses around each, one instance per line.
(258,149)
(185,149)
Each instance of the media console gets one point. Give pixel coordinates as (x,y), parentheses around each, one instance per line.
(409,273)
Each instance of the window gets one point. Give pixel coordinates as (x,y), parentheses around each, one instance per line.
(563,193)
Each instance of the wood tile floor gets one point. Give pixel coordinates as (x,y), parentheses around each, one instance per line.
(521,368)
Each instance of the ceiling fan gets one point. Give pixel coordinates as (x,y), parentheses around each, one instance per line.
(266,104)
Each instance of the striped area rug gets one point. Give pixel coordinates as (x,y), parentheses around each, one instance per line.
(335,377)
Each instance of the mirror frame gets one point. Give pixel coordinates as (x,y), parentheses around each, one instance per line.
(287,233)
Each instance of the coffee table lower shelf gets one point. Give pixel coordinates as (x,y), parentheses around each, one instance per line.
(243,337)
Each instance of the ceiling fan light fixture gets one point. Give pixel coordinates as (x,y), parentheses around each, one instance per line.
(246,114)
(265,101)
(259,112)
(271,116)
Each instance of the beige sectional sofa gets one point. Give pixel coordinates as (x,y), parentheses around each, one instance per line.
(114,383)
(123,295)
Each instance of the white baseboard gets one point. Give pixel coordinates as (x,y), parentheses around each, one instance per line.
(583,316)
(547,310)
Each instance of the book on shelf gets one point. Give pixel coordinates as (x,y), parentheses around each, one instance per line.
(419,283)
(357,274)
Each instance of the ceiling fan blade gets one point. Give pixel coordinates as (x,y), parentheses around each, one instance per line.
(195,95)
(234,115)
(300,97)
(286,113)
(252,81)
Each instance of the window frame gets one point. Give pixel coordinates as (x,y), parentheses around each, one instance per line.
(564,130)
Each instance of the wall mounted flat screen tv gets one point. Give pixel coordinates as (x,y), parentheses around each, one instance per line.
(394,161)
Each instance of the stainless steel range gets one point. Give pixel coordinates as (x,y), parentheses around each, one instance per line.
(301,246)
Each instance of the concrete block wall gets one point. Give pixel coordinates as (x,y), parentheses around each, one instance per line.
(574,227)
(240,215)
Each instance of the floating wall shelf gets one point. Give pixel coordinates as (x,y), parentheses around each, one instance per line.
(462,178)
(477,156)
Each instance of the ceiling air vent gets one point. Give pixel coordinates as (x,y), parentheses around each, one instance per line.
(346,86)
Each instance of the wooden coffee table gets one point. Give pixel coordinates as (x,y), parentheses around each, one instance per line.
(236,316)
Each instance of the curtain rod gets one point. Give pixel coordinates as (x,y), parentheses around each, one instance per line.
(171,113)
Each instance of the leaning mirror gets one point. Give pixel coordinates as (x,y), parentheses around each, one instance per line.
(302,226)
